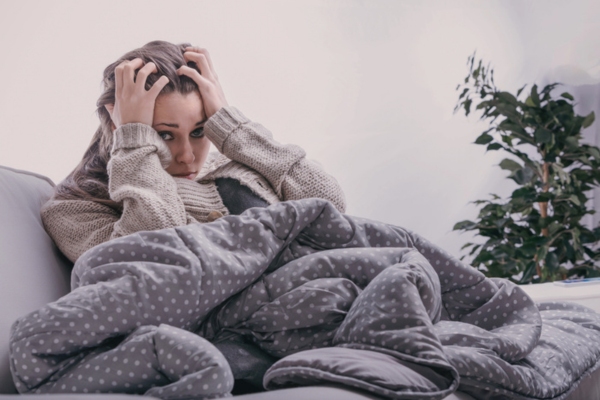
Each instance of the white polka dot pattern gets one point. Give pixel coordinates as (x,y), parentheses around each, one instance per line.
(341,299)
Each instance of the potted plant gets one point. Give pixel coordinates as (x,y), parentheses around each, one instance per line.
(535,235)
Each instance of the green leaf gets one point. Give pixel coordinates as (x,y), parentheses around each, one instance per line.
(589,120)
(530,102)
(494,146)
(466,245)
(545,196)
(500,222)
(464,225)
(584,160)
(522,176)
(508,110)
(526,193)
(536,240)
(527,211)
(508,139)
(544,222)
(510,126)
(484,138)
(595,152)
(572,142)
(567,96)
(510,165)
(541,253)
(483,256)
(551,261)
(477,71)
(574,199)
(474,249)
(467,106)
(528,250)
(586,236)
(507,97)
(529,272)
(500,253)
(554,227)
(576,244)
(543,135)
(534,96)
(562,175)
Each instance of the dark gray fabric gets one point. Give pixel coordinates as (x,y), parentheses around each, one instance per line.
(341,299)
(247,361)
(237,197)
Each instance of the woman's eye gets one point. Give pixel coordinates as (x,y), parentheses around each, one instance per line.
(198,133)
(165,135)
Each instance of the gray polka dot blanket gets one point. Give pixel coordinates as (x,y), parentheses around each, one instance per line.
(337,299)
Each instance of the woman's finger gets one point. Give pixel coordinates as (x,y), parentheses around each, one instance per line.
(130,67)
(201,62)
(200,80)
(119,76)
(201,50)
(158,86)
(212,95)
(143,73)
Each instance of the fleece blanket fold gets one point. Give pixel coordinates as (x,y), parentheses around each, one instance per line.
(336,298)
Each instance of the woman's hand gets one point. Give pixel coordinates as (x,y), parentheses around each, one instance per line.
(210,89)
(132,102)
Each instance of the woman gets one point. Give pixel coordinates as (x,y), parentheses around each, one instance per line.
(148,166)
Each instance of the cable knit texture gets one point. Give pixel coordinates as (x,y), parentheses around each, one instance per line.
(152,199)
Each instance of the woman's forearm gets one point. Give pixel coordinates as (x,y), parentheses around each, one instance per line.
(285,167)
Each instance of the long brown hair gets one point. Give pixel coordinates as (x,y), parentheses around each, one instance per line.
(89,179)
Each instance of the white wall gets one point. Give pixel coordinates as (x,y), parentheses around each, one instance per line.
(366,87)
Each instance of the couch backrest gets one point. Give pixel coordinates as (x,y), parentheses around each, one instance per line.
(32,270)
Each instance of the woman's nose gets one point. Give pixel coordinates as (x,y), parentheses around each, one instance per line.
(185,153)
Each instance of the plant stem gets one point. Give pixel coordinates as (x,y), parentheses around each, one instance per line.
(543,211)
(544,205)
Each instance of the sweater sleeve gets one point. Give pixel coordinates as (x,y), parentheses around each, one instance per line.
(137,180)
(285,167)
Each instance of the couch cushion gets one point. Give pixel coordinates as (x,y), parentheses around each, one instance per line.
(33,271)
(586,295)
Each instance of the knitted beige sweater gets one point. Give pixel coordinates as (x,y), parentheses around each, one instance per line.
(152,199)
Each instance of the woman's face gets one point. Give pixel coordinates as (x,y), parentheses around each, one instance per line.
(179,119)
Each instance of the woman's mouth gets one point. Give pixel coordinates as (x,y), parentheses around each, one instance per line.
(190,175)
